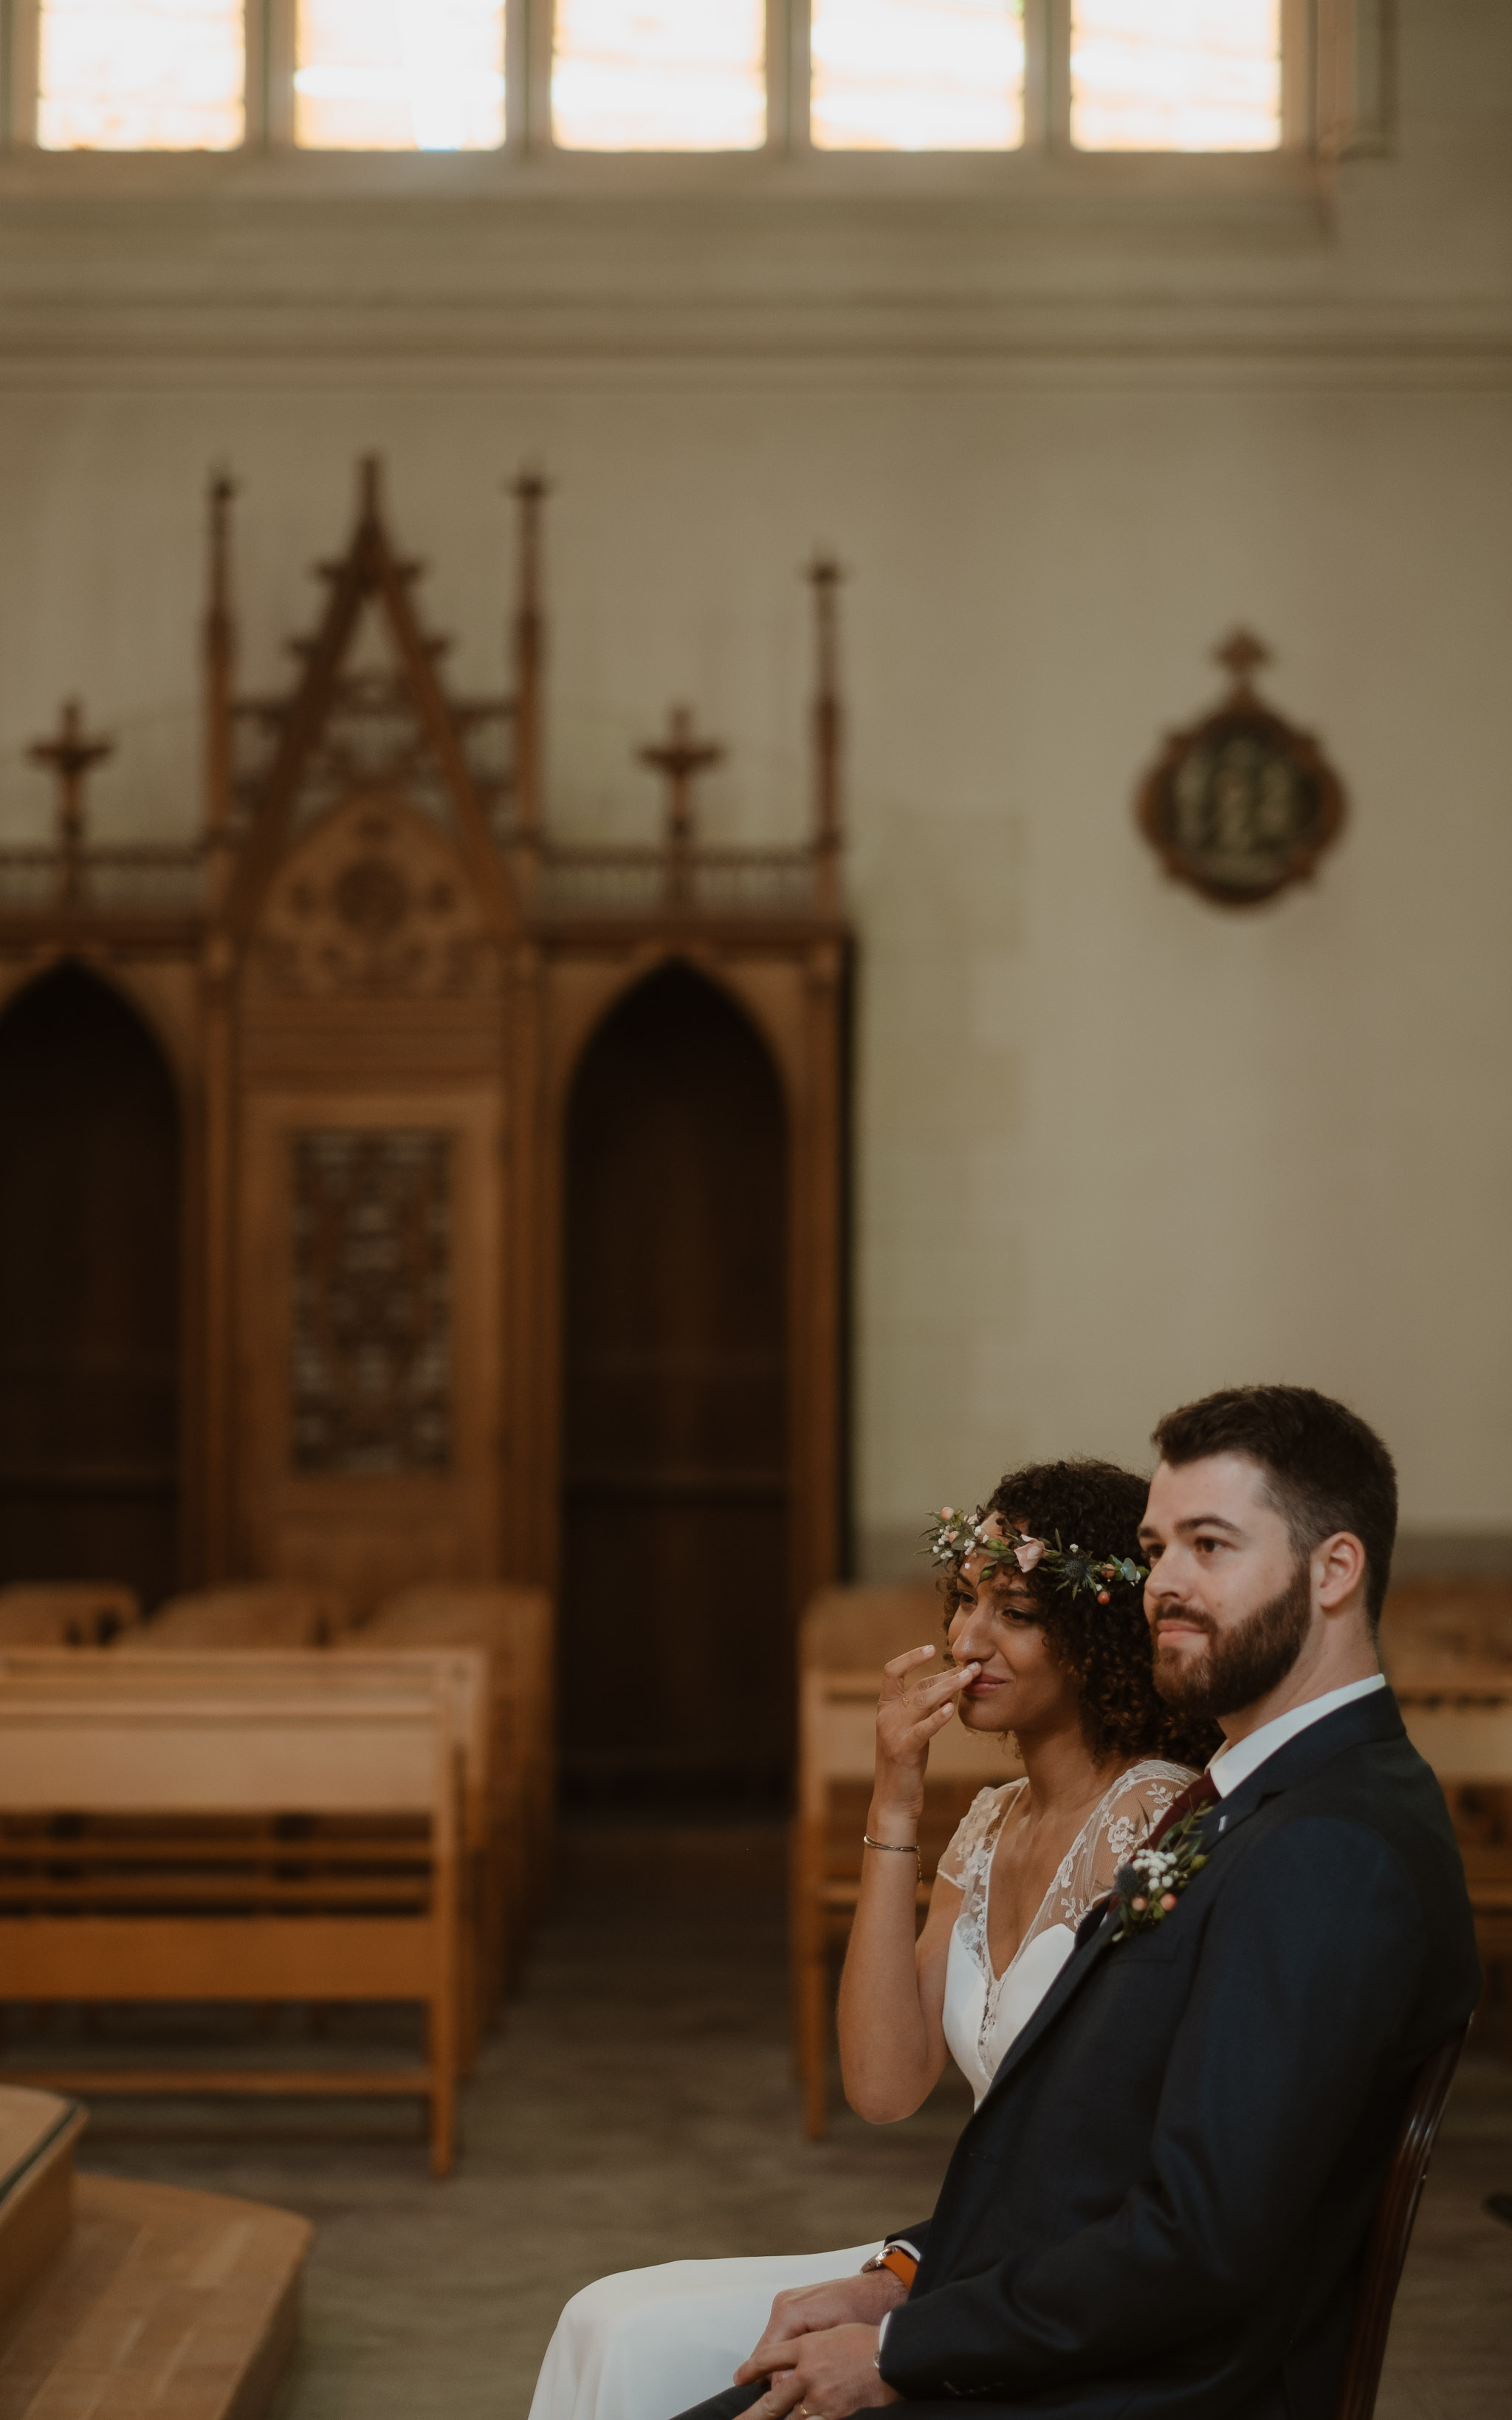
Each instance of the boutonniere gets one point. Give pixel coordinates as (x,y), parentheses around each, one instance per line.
(1146,1890)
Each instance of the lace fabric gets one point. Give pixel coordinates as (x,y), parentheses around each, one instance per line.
(1120,1820)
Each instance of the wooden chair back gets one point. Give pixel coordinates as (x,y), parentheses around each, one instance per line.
(235,1826)
(845,1637)
(1391,2231)
(65,1613)
(251,1615)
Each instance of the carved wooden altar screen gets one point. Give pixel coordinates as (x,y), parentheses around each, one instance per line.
(373,984)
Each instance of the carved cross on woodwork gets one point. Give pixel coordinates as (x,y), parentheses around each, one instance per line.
(681,758)
(71,757)
(1243,654)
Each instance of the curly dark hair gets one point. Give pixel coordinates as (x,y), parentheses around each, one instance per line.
(1105,1647)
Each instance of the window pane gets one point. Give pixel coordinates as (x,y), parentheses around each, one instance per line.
(400,75)
(659,75)
(1176,76)
(140,76)
(917,75)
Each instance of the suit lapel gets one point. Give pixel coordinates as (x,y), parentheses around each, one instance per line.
(1376,1717)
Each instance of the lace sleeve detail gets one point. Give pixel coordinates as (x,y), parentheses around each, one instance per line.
(1136,1801)
(976,1832)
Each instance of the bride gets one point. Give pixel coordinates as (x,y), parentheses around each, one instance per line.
(1048,1642)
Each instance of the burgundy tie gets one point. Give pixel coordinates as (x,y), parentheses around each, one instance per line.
(1198,1794)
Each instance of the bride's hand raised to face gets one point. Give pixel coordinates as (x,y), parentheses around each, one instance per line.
(907,1720)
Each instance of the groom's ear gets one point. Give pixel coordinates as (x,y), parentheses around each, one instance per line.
(1340,1572)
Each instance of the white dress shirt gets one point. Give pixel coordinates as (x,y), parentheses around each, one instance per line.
(1235,1763)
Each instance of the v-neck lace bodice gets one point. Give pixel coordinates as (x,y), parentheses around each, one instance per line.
(983,2010)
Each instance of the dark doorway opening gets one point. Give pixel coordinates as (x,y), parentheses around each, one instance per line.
(89,1291)
(675,1643)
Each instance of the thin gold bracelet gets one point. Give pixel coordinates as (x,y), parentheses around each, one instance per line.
(899,1848)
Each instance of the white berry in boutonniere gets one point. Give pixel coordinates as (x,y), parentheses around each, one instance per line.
(1146,1890)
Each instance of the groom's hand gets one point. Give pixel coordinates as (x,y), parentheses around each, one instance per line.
(802,2309)
(827,2373)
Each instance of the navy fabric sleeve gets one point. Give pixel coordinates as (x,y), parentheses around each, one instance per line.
(1310,1962)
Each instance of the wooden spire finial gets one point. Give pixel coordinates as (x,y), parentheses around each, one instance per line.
(219,668)
(370,485)
(222,495)
(681,757)
(825,575)
(71,757)
(529,492)
(1243,654)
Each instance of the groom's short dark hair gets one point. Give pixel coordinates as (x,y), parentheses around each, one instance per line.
(1326,1469)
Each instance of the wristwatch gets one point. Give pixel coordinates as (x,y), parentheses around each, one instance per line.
(895,2256)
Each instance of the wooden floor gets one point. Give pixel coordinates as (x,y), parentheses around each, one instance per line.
(639,2103)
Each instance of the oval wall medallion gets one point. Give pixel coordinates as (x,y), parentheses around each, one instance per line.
(1241,803)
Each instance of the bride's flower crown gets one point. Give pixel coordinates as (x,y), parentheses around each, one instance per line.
(953,1534)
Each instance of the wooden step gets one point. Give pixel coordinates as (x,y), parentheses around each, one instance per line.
(182,2305)
(38,2132)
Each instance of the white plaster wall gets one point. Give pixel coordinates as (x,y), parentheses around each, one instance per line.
(1114,1146)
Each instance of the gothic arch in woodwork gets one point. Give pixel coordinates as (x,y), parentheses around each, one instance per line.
(676,1478)
(91,1287)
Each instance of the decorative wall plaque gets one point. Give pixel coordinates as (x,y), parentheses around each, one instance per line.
(1241,803)
(372,1345)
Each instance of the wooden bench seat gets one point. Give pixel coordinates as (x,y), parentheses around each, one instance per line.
(1447,1648)
(253,1614)
(119,2299)
(511,1626)
(65,1613)
(237,1827)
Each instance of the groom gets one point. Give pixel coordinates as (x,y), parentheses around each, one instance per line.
(1157,2213)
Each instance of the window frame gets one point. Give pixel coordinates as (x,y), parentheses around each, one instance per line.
(1337,101)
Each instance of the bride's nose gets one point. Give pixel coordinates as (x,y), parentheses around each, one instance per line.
(965,1647)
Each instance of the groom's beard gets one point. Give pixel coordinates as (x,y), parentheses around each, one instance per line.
(1242,1664)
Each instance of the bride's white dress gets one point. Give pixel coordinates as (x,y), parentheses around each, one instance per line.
(648,2343)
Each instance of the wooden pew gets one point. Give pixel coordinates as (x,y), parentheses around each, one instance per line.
(1447,1648)
(846,1636)
(237,1827)
(513,1626)
(251,1614)
(463,1673)
(1451,1629)
(65,1613)
(120,2298)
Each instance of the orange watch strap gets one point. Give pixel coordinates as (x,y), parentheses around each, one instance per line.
(901,2263)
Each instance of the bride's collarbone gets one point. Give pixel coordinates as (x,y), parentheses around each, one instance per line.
(1032,1846)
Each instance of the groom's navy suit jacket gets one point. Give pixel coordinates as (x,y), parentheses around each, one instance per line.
(1159,2207)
